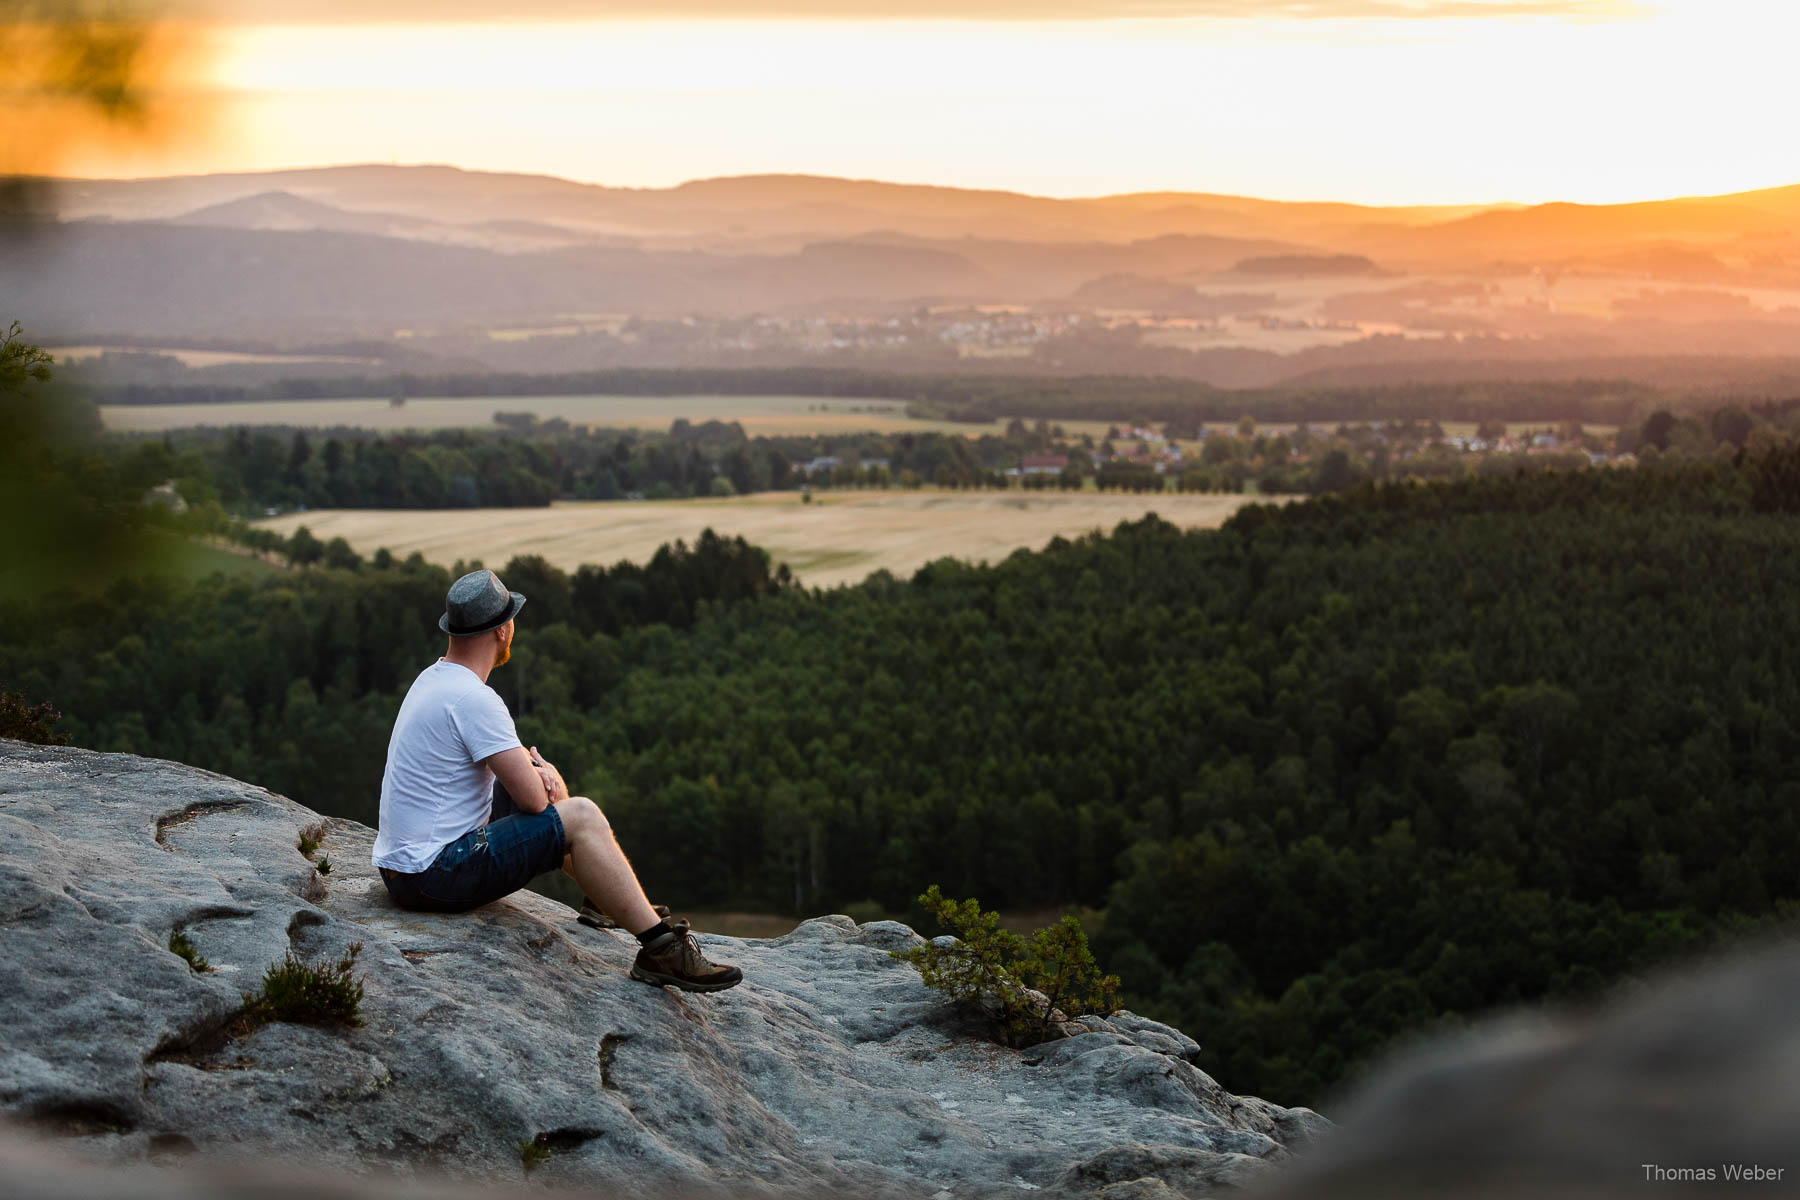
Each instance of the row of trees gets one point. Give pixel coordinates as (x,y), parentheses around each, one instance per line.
(246,471)
(527,462)
(986,398)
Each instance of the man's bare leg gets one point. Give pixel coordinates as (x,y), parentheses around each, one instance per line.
(601,868)
(668,958)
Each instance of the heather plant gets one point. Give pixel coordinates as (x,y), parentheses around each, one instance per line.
(30,722)
(310,837)
(179,944)
(324,993)
(532,1155)
(1029,985)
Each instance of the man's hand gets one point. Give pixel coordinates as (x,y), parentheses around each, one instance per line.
(554,787)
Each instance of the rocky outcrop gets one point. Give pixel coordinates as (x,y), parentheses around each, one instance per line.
(830,1069)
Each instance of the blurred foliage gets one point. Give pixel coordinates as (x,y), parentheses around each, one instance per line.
(89,53)
(69,511)
(21,362)
(75,73)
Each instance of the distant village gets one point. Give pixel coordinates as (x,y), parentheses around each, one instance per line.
(1244,456)
(984,331)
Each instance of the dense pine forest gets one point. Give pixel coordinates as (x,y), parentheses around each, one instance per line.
(1340,771)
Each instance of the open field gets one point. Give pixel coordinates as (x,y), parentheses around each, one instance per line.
(839,538)
(202,358)
(766,415)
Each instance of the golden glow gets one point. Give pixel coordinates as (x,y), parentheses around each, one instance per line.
(1679,98)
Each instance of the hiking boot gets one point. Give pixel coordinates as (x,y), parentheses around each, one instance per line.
(592,917)
(675,959)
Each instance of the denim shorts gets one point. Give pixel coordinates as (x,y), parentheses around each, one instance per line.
(486,863)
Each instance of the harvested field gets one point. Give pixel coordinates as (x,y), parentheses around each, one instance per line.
(839,538)
(767,416)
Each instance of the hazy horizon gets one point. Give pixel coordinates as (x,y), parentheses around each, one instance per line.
(1448,102)
(348,164)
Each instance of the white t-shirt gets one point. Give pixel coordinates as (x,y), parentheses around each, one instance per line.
(436,787)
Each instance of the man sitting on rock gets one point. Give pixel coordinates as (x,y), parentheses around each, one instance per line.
(468,815)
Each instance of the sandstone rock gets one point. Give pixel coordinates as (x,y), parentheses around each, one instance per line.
(831,1069)
(1153,1171)
(1154,1035)
(1138,1189)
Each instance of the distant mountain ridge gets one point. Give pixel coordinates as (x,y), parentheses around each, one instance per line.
(820,206)
(413,253)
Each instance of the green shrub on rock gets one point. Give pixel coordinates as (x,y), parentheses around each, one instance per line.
(1031,987)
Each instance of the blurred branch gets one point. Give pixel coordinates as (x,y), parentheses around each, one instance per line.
(21,361)
(89,53)
(74,73)
(98,62)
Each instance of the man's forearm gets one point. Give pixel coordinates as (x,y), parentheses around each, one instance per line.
(521,779)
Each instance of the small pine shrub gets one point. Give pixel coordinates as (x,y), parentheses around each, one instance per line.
(988,964)
(323,866)
(324,993)
(178,943)
(533,1154)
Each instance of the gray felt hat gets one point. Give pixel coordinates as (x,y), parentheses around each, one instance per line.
(477,603)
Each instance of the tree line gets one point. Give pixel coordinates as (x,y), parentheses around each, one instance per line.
(527,462)
(244,471)
(986,398)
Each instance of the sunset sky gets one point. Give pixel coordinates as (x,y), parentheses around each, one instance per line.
(1377,101)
